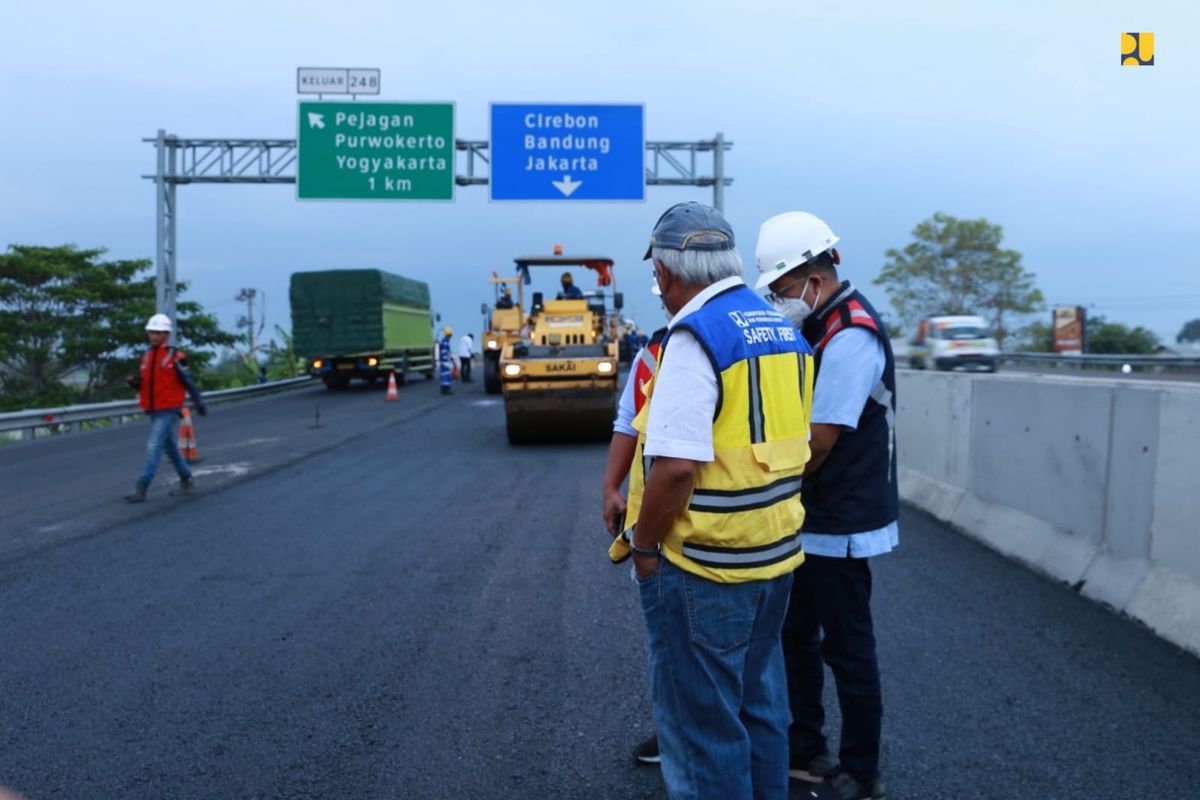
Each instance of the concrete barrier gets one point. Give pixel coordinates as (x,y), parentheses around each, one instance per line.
(1095,483)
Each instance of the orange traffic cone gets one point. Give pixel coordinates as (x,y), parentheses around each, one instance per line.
(187,439)
(392,394)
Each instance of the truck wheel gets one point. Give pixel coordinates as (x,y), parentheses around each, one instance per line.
(491,374)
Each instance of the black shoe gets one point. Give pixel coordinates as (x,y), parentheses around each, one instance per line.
(647,752)
(186,486)
(138,495)
(815,770)
(845,787)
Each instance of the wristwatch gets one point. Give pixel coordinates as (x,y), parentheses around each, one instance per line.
(638,551)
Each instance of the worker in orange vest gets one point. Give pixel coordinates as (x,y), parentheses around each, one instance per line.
(162,384)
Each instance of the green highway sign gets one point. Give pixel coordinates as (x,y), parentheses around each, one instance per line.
(375,151)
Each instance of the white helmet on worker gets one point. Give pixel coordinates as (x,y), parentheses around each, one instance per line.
(159,322)
(788,240)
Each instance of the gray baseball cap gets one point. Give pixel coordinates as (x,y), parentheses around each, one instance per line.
(691,226)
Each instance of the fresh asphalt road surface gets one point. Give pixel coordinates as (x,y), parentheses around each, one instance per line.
(401,605)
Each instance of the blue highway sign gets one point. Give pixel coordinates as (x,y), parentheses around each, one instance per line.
(568,152)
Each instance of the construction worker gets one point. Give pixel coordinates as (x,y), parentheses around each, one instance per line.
(569,290)
(162,383)
(620,456)
(714,520)
(446,361)
(850,499)
(506,299)
(466,352)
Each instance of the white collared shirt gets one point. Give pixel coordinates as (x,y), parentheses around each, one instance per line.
(626,405)
(685,390)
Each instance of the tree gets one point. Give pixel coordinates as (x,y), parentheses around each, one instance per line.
(1189,333)
(63,310)
(1037,337)
(955,266)
(1114,338)
(282,361)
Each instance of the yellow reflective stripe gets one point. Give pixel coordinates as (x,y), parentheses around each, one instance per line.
(744,557)
(758,425)
(724,501)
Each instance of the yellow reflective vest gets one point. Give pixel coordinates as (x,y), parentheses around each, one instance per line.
(742,521)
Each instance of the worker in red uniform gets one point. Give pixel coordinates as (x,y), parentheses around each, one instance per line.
(163,383)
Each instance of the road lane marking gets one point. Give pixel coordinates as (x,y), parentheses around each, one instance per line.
(234,470)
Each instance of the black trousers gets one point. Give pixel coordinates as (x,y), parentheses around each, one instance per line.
(465,371)
(829,620)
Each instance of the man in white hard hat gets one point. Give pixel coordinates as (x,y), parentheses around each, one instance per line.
(850,499)
(163,381)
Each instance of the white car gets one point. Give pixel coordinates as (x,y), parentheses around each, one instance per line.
(954,343)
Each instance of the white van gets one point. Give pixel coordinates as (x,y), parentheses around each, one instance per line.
(951,343)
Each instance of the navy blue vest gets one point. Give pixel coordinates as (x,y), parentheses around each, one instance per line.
(855,489)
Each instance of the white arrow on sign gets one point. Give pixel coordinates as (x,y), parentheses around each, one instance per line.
(567,186)
(316,120)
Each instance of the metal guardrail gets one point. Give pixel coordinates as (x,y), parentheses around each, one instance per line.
(70,418)
(1104,360)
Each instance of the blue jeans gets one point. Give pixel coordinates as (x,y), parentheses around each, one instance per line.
(720,688)
(162,436)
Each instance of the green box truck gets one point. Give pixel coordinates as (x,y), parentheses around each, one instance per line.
(361,323)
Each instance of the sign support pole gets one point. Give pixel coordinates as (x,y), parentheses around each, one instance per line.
(719,173)
(164,256)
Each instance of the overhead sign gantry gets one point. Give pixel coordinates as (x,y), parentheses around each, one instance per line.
(407,151)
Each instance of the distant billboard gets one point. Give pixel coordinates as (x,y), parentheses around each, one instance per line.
(1070,329)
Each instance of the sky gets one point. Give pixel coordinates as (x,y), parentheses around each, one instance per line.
(873,115)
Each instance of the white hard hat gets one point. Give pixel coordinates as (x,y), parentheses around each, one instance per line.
(788,240)
(159,322)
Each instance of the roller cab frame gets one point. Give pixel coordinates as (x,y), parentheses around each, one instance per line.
(560,379)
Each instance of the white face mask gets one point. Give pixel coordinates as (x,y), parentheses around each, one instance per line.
(795,309)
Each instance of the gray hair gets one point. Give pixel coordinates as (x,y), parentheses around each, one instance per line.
(699,267)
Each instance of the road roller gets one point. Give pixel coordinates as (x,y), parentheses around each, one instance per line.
(559,380)
(502,323)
